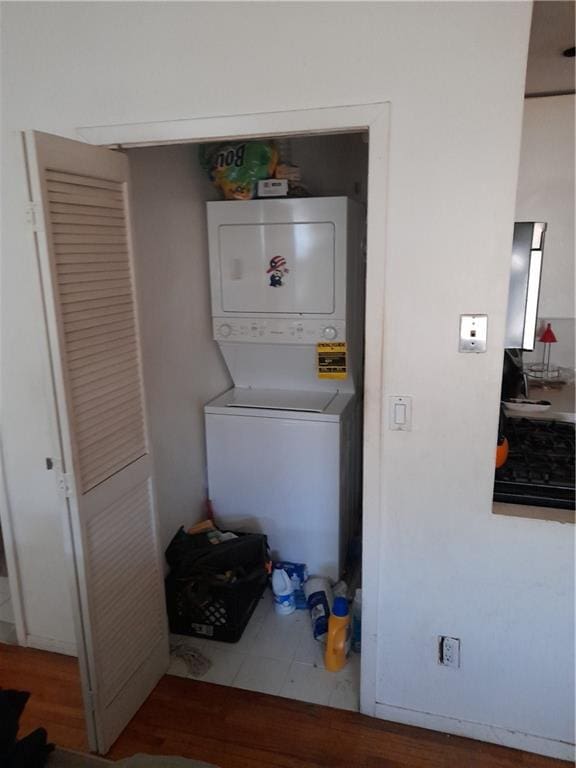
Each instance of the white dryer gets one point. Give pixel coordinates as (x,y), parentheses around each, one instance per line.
(283,445)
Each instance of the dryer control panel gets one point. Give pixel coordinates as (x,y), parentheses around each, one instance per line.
(270,331)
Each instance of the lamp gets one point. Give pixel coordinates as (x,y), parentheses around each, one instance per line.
(547,338)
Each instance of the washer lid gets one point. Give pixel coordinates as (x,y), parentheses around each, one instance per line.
(281,399)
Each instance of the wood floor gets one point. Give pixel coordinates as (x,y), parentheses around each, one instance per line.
(240,729)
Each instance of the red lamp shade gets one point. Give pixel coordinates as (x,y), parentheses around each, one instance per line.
(548,336)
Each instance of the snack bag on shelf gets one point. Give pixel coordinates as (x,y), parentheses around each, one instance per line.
(236,167)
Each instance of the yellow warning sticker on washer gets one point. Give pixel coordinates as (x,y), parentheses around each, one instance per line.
(331,360)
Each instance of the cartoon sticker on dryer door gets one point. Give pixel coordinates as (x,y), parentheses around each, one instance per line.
(277,271)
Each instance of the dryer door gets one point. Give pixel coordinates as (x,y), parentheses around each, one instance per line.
(278,268)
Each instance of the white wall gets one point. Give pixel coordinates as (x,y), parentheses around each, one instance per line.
(333,165)
(183,367)
(454,74)
(546,193)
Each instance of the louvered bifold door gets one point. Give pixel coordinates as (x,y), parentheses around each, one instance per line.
(80,214)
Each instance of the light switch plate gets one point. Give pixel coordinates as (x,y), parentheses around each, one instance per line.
(400,413)
(473,333)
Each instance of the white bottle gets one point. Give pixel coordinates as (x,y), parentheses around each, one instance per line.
(284,601)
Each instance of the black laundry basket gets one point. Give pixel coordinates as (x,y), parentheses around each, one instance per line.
(213,589)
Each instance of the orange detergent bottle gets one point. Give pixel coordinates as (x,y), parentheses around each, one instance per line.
(338,638)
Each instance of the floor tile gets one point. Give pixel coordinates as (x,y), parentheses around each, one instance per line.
(309,650)
(265,605)
(278,636)
(262,674)
(224,668)
(306,682)
(346,694)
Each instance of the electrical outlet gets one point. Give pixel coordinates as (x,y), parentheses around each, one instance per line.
(449,651)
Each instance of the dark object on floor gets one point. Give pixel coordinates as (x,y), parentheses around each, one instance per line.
(30,752)
(212,589)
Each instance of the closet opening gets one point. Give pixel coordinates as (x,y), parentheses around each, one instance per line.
(251,309)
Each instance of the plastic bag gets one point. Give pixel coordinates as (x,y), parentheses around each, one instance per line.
(236,167)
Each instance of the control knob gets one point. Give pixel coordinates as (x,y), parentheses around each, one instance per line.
(330,333)
(224,330)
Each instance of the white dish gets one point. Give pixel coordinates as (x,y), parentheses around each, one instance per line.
(526,406)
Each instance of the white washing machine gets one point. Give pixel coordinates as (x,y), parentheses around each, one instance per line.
(278,463)
(283,445)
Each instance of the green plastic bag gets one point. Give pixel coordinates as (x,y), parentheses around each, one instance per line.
(236,167)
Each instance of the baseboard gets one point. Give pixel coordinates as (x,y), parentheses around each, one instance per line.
(49,644)
(490,733)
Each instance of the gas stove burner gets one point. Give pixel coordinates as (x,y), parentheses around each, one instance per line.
(540,466)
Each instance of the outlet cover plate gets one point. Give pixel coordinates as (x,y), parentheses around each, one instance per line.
(473,333)
(449,651)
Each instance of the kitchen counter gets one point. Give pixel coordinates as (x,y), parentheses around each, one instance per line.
(562,400)
(534,513)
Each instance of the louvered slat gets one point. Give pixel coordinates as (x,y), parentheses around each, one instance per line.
(99,390)
(126,421)
(106,301)
(77,208)
(105,469)
(80,189)
(88,230)
(121,541)
(93,266)
(97,293)
(114,227)
(83,181)
(86,259)
(101,367)
(119,345)
(115,399)
(95,221)
(123,408)
(94,201)
(90,248)
(104,338)
(100,320)
(85,276)
(100,331)
(102,374)
(97,239)
(103,456)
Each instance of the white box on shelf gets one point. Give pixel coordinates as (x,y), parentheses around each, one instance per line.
(273,188)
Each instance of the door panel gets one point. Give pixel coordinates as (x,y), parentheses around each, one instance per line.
(84,246)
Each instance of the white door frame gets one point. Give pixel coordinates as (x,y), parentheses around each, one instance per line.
(375,119)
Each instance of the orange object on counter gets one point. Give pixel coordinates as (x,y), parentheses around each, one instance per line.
(502,453)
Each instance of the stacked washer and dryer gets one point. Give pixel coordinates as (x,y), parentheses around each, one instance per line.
(284,444)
